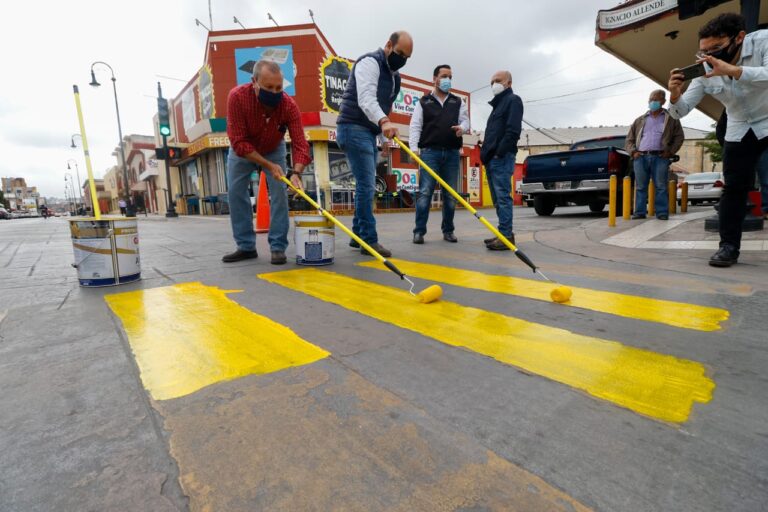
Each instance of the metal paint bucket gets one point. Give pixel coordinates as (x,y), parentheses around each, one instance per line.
(106,250)
(315,238)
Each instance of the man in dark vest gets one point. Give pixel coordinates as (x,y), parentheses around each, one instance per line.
(371,89)
(439,120)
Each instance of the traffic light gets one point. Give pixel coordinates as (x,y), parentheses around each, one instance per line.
(172,153)
(163,116)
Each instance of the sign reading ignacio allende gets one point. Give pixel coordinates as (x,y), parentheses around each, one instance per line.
(625,16)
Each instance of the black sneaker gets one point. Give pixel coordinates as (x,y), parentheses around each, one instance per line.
(353,243)
(662,217)
(239,255)
(450,237)
(278,258)
(638,216)
(379,249)
(726,256)
(418,238)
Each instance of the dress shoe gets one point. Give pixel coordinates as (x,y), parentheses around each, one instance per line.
(638,216)
(498,245)
(378,248)
(726,256)
(418,238)
(491,240)
(662,217)
(353,243)
(239,255)
(450,237)
(278,258)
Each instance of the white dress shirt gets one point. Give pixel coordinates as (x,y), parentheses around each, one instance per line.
(417,121)
(745,99)
(367,79)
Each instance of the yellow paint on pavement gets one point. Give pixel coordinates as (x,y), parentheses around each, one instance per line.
(678,314)
(189,335)
(657,385)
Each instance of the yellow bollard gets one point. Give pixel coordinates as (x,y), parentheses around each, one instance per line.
(672,194)
(651,198)
(626,190)
(612,201)
(684,198)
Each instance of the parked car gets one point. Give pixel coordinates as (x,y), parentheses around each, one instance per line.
(578,176)
(705,186)
(4,214)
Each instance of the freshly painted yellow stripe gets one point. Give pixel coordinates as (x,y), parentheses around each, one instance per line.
(657,385)
(189,335)
(678,314)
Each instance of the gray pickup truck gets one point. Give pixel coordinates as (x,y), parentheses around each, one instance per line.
(578,176)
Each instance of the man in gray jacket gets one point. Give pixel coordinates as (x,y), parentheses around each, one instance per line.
(653,138)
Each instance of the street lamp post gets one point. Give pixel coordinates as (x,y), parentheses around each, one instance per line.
(77,173)
(72,193)
(130,210)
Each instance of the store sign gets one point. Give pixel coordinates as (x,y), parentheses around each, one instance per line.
(207,142)
(205,91)
(622,17)
(246,59)
(473,184)
(334,73)
(406,101)
(407,179)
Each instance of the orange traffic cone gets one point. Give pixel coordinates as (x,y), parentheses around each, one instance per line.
(262,206)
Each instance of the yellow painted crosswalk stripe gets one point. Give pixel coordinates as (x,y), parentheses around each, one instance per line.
(657,385)
(189,335)
(677,314)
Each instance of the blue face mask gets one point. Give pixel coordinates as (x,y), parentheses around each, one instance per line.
(270,99)
(654,105)
(445,84)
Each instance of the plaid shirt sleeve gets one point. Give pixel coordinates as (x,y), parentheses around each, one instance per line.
(237,128)
(299,144)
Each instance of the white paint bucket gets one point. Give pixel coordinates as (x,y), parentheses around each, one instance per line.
(106,250)
(315,238)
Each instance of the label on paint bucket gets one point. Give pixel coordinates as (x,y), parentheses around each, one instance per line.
(314,239)
(93,258)
(106,251)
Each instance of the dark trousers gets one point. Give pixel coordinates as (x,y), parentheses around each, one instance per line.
(739,162)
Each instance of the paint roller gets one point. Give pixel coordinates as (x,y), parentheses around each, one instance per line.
(427,295)
(559,294)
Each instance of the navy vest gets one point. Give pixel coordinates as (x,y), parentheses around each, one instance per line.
(436,129)
(350,111)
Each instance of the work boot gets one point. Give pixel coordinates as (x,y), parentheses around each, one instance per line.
(353,243)
(379,249)
(488,241)
(418,238)
(498,245)
(239,255)
(450,237)
(278,258)
(726,256)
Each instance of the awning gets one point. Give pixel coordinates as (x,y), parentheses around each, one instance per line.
(141,186)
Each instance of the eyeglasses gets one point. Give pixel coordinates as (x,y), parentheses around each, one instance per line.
(705,53)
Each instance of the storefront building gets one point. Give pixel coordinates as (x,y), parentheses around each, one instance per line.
(315,77)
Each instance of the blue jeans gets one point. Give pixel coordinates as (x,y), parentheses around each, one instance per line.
(359,144)
(240,211)
(445,162)
(762,172)
(647,167)
(499,172)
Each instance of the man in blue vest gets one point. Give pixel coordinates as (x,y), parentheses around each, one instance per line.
(499,150)
(371,89)
(439,121)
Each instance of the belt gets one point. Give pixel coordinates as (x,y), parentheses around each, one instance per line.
(655,153)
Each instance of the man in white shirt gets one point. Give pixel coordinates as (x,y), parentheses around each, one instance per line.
(737,76)
(365,106)
(439,121)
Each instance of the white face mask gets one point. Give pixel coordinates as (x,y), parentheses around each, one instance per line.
(497,88)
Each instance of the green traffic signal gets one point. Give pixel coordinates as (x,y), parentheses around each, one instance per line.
(165,130)
(163,117)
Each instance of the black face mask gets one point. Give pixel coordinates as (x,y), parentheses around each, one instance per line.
(270,99)
(728,53)
(396,61)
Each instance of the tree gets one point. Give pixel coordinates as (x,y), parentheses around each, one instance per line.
(712,147)
(2,200)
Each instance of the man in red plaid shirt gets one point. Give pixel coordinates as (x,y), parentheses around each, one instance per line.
(258,115)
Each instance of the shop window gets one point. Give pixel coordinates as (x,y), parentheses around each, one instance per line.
(405,158)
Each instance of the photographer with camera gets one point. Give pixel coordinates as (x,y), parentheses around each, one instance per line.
(736,74)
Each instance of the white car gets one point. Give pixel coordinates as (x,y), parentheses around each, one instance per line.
(705,186)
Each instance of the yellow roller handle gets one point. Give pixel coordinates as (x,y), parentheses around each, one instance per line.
(391,266)
(86,152)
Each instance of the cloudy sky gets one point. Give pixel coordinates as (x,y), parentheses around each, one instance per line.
(548,46)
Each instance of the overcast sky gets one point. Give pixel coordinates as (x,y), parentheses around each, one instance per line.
(547,45)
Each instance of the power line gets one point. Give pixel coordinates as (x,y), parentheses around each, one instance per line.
(592,98)
(569,66)
(585,90)
(543,132)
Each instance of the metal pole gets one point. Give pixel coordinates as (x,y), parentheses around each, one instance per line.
(170,208)
(129,211)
